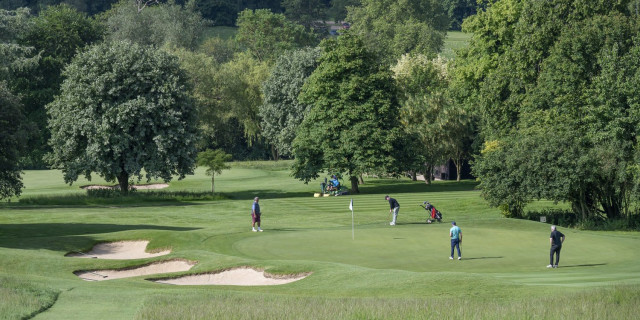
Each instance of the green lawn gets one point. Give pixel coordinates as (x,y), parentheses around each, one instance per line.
(387,272)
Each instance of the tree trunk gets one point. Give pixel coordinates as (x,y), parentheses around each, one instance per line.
(354,184)
(274,153)
(414,175)
(123,181)
(360,179)
(213,190)
(458,163)
(427,173)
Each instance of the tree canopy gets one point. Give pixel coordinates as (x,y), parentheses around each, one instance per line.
(391,28)
(281,112)
(123,110)
(12,139)
(353,122)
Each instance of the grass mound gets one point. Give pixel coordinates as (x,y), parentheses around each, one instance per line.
(23,300)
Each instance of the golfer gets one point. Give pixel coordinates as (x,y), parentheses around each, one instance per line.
(394,207)
(556,239)
(255,215)
(456,239)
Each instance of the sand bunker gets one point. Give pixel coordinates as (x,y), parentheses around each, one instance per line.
(137,187)
(234,277)
(121,250)
(145,270)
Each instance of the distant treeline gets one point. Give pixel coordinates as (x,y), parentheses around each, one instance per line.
(225,12)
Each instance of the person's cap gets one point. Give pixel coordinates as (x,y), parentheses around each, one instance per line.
(453,223)
(425,202)
(386,197)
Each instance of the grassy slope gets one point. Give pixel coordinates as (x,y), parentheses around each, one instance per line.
(406,265)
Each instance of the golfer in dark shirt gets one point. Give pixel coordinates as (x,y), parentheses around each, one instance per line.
(556,239)
(394,207)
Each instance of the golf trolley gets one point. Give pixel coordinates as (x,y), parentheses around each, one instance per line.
(434,214)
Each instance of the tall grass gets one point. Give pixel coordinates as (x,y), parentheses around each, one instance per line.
(604,303)
(23,300)
(114,197)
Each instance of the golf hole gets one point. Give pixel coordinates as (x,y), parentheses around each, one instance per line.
(120,250)
(242,276)
(167,266)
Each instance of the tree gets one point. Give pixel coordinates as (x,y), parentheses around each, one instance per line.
(215,161)
(560,74)
(338,9)
(15,57)
(309,13)
(353,123)
(12,136)
(166,24)
(458,10)
(281,112)
(123,108)
(57,33)
(391,28)
(266,35)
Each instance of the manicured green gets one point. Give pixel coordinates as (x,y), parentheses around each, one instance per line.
(387,272)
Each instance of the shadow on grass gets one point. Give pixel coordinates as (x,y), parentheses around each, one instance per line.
(584,265)
(481,258)
(378,186)
(63,236)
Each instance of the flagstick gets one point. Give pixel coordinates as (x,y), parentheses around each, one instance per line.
(353,234)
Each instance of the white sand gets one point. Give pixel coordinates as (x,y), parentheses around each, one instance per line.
(137,187)
(234,277)
(121,250)
(154,268)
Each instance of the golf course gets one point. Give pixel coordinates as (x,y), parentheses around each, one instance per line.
(377,272)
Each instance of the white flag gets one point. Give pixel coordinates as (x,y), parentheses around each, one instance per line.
(351,205)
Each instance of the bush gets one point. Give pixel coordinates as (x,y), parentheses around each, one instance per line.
(568,218)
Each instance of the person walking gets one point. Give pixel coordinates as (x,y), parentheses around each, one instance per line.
(255,215)
(394,207)
(456,239)
(556,239)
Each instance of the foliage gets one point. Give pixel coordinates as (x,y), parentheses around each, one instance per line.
(557,99)
(458,10)
(391,28)
(215,161)
(266,35)
(281,112)
(57,33)
(12,139)
(166,24)
(338,9)
(309,13)
(14,57)
(353,122)
(123,108)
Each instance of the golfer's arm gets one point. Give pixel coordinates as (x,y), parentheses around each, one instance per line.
(550,241)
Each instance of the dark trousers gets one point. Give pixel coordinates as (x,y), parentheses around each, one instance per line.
(455,243)
(556,250)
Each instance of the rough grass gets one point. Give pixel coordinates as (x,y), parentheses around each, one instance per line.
(22,299)
(609,303)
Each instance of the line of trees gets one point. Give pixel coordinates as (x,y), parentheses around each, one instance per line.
(543,100)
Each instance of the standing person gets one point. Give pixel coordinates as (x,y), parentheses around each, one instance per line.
(394,207)
(456,239)
(556,239)
(255,215)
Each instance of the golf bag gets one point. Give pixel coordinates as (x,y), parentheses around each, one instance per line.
(433,212)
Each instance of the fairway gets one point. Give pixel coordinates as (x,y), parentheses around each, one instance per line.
(384,272)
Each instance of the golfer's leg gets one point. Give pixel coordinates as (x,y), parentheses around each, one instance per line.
(551,255)
(458,246)
(452,246)
(395,214)
(558,255)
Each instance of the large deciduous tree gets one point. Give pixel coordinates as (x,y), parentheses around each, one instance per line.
(266,35)
(123,111)
(281,112)
(165,24)
(392,28)
(57,33)
(353,123)
(553,92)
(12,139)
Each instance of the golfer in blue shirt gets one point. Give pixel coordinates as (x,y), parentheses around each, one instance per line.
(456,239)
